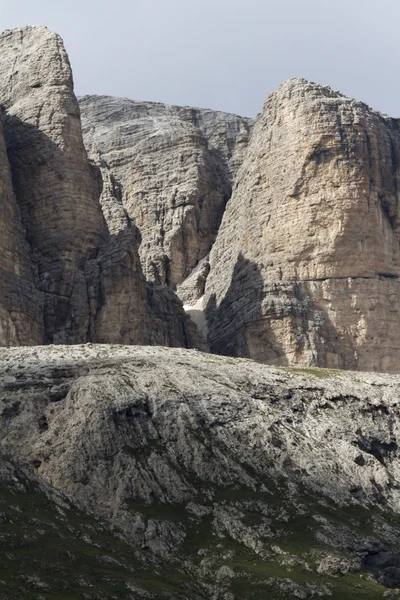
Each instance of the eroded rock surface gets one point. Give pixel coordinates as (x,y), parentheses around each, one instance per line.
(48,547)
(306,266)
(232,469)
(169,170)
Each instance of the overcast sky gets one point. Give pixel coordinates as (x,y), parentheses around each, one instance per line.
(223,54)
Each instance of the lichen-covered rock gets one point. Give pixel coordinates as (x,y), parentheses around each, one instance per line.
(169,170)
(21,321)
(306,266)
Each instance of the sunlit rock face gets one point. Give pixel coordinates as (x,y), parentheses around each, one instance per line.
(280,237)
(305,269)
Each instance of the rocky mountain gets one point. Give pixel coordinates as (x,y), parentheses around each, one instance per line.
(62,218)
(106,219)
(88,279)
(305,269)
(230,479)
(131,472)
(169,170)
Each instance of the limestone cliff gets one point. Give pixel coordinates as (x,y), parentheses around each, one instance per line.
(90,278)
(21,321)
(169,170)
(59,211)
(306,266)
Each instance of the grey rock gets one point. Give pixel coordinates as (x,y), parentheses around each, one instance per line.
(200,457)
(306,266)
(21,321)
(62,217)
(169,170)
(90,278)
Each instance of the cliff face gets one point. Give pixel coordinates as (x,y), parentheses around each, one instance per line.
(223,470)
(90,278)
(167,169)
(60,213)
(21,321)
(305,269)
(301,266)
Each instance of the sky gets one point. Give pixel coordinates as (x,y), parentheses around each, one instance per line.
(223,54)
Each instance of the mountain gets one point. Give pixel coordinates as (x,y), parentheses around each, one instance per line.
(279,238)
(305,269)
(169,170)
(89,284)
(130,471)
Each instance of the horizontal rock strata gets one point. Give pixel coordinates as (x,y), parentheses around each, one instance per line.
(21,321)
(90,278)
(306,266)
(61,215)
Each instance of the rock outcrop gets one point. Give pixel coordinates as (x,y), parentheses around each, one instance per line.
(21,321)
(51,548)
(225,469)
(167,169)
(306,266)
(60,213)
(90,278)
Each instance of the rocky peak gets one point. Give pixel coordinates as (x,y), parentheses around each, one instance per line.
(88,275)
(300,266)
(306,264)
(62,218)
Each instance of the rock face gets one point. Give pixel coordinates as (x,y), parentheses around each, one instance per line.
(167,169)
(230,469)
(21,320)
(90,278)
(55,549)
(51,178)
(306,266)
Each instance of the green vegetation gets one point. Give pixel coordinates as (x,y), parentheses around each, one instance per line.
(48,552)
(294,528)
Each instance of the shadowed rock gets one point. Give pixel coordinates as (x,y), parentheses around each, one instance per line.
(21,321)
(62,217)
(169,169)
(91,280)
